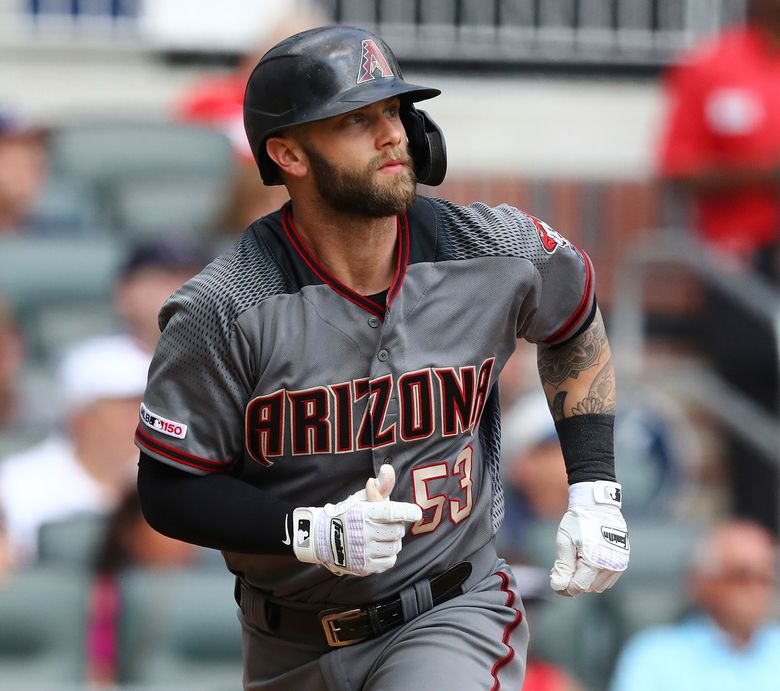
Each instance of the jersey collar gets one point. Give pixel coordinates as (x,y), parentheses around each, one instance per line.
(344,290)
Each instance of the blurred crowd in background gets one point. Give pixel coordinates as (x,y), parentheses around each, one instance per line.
(102,218)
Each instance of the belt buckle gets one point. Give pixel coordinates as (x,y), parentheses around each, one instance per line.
(329,621)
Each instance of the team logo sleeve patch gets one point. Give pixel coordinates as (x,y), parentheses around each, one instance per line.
(551,239)
(163,425)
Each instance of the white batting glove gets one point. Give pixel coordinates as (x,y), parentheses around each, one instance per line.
(592,541)
(360,535)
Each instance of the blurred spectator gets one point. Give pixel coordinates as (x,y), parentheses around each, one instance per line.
(535,486)
(11,360)
(152,272)
(730,644)
(7,557)
(87,468)
(26,410)
(722,149)
(23,169)
(129,542)
(541,675)
(722,140)
(219,101)
(31,200)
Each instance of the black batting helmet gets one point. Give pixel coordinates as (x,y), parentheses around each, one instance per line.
(329,71)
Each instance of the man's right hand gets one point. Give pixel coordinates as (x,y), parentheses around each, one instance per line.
(360,535)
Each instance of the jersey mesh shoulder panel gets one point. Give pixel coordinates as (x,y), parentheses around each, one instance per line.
(237,280)
(563,270)
(477,230)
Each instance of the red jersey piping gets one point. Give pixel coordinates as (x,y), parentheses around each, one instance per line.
(177,455)
(576,316)
(345,291)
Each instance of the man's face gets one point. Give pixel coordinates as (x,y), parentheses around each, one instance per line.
(22,174)
(359,162)
(11,354)
(741,588)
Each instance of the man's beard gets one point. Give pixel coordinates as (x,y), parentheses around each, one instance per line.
(358,192)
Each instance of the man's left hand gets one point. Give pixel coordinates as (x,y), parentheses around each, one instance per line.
(592,541)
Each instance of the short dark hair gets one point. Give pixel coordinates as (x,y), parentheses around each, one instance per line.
(172,254)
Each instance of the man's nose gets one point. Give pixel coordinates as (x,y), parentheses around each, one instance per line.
(391,132)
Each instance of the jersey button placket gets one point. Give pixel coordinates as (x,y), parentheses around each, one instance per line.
(383,355)
(373,322)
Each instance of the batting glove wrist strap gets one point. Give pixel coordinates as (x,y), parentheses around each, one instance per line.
(592,541)
(595,493)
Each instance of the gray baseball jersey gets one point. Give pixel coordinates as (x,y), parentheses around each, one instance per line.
(271,369)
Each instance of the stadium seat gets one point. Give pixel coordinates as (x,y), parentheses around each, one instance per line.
(71,542)
(42,614)
(60,288)
(178,626)
(578,634)
(37,270)
(538,543)
(186,203)
(148,177)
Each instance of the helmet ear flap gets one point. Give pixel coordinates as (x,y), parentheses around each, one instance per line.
(269,171)
(426,146)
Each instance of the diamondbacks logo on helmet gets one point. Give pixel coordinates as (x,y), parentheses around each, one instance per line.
(372,61)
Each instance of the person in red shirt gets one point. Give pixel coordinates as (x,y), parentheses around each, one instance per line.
(722,140)
(545,676)
(721,148)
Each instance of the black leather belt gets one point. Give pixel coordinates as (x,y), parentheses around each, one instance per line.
(346,626)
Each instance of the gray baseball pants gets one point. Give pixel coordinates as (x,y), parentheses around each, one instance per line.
(474,641)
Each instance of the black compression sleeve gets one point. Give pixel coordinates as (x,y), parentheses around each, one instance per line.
(218,510)
(588,446)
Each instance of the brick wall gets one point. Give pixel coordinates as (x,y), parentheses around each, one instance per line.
(606,218)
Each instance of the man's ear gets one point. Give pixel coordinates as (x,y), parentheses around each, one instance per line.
(288,154)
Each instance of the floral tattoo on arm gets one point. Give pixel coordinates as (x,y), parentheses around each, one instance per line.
(560,365)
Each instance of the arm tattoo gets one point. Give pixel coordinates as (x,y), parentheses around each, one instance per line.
(556,365)
(556,407)
(601,396)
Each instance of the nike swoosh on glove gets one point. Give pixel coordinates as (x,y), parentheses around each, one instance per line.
(592,541)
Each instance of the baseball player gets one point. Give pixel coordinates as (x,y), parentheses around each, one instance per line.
(323,402)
